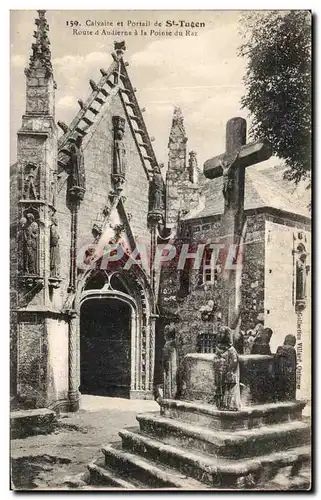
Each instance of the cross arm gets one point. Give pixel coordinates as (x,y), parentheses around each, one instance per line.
(249,154)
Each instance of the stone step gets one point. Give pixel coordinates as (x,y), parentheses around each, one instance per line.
(210,470)
(247,418)
(239,444)
(102,476)
(154,475)
(284,480)
(24,423)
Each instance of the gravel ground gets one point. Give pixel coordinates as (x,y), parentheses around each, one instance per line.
(44,462)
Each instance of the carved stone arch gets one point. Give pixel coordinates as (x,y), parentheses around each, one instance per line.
(138,294)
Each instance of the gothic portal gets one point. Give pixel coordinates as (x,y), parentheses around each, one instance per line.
(105,347)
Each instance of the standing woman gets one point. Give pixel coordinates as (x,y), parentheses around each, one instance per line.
(226,372)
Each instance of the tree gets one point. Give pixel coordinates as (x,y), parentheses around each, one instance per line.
(277,45)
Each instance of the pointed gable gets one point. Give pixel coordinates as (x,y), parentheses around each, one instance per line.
(114,81)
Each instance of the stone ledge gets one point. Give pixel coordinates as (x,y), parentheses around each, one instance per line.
(242,443)
(103,476)
(210,470)
(246,418)
(155,475)
(24,423)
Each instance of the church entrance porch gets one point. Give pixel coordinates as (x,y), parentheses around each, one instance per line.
(113,337)
(105,348)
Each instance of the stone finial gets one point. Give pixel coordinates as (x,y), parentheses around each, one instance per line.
(63,126)
(119,49)
(103,72)
(93,85)
(40,49)
(178,118)
(178,125)
(81,103)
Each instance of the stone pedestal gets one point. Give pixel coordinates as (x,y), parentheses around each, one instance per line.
(256,375)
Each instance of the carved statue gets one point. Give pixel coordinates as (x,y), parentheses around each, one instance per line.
(286,369)
(192,167)
(30,244)
(227,161)
(261,344)
(119,164)
(170,363)
(77,179)
(301,273)
(248,341)
(30,188)
(54,249)
(226,372)
(157,192)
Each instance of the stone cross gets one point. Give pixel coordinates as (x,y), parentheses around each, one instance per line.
(231,166)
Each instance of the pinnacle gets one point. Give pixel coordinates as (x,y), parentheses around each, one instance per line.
(41,47)
(178,128)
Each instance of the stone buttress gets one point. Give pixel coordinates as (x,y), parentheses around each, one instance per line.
(33,311)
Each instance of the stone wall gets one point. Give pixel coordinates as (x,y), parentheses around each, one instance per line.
(57,374)
(32,359)
(98,153)
(280,309)
(252,302)
(186,310)
(98,157)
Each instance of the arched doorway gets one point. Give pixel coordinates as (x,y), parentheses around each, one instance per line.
(105,347)
(116,335)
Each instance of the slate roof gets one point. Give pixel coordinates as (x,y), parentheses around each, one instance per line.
(260,191)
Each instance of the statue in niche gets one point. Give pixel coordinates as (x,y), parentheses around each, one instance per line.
(286,369)
(77,179)
(170,362)
(30,186)
(157,192)
(30,244)
(54,249)
(226,372)
(301,274)
(119,163)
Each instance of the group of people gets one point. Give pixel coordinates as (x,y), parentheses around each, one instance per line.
(229,345)
(257,341)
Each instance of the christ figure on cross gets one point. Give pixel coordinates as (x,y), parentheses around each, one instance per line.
(231,166)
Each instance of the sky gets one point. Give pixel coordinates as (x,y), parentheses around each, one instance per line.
(202,74)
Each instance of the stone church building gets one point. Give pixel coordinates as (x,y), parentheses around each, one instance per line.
(91,322)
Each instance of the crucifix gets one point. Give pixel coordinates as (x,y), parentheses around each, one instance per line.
(231,166)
